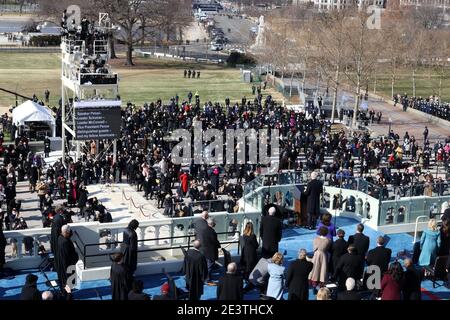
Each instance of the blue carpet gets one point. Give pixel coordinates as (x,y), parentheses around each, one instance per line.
(293,240)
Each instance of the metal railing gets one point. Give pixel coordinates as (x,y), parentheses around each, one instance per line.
(132,204)
(417,226)
(217,205)
(70,45)
(140,250)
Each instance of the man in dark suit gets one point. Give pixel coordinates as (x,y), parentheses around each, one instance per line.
(230,285)
(412,282)
(349,266)
(195,270)
(210,245)
(350,293)
(314,189)
(379,256)
(297,277)
(361,243)
(270,232)
(67,255)
(200,225)
(339,248)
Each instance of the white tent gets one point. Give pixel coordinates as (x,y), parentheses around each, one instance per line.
(30,111)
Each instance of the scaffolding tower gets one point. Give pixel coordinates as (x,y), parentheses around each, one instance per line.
(87,80)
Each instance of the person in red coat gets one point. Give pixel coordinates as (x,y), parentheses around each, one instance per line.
(73,192)
(184,179)
(392,282)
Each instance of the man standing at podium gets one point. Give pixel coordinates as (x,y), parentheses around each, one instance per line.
(314,189)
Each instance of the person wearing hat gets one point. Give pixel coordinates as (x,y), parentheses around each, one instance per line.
(29,290)
(65,255)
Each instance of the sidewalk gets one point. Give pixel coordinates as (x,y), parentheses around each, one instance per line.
(412,121)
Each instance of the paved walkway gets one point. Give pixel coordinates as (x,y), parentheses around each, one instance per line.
(409,121)
(109,195)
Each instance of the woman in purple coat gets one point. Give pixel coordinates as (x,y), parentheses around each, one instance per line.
(326,222)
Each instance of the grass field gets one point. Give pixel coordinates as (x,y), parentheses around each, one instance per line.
(427,83)
(149,80)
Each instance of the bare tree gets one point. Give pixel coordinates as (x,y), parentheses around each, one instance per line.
(440,44)
(127,15)
(416,40)
(394,46)
(331,46)
(363,46)
(428,16)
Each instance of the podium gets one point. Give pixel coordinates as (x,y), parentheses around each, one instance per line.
(300,207)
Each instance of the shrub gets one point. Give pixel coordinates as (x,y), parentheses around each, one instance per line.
(45,40)
(239,58)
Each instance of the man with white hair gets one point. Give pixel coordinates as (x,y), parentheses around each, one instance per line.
(297,277)
(230,285)
(314,189)
(67,256)
(47,295)
(270,232)
(350,293)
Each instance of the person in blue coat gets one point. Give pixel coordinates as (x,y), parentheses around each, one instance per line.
(429,244)
(277,277)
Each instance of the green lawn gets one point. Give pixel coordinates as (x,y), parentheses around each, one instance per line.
(149,80)
(426,84)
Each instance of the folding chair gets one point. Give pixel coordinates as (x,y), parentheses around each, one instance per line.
(47,265)
(437,272)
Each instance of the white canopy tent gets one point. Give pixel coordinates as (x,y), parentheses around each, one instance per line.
(30,111)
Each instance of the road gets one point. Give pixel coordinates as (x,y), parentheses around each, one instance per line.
(239,29)
(16,24)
